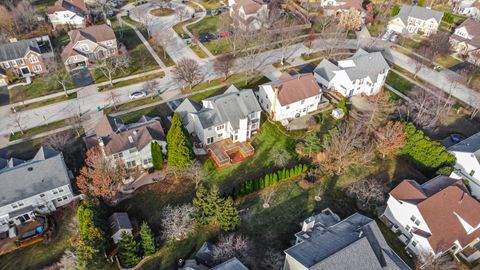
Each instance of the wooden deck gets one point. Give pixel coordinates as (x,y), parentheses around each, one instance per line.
(226,152)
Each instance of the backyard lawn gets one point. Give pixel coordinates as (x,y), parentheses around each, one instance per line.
(206,25)
(40,86)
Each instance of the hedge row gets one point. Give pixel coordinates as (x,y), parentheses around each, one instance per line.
(269,180)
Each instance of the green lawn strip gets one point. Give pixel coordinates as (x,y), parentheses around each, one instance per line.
(131,21)
(132,81)
(133,104)
(164,56)
(43,254)
(160,12)
(152,111)
(178,28)
(37,130)
(408,43)
(200,96)
(198,50)
(447,60)
(42,103)
(241,80)
(40,86)
(210,4)
(140,58)
(399,83)
(206,25)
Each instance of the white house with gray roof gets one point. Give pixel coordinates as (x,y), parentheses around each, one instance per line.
(119,223)
(415,19)
(234,114)
(326,242)
(467,166)
(363,73)
(38,185)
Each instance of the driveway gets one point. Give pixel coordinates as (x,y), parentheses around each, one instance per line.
(81,78)
(4,97)
(460,66)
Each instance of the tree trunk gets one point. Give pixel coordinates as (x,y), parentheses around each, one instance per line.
(65,89)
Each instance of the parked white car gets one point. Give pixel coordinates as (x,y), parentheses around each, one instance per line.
(137,94)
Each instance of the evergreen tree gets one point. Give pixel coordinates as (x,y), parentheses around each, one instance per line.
(127,250)
(228,217)
(157,156)
(292,172)
(148,241)
(275,179)
(207,205)
(267,180)
(179,148)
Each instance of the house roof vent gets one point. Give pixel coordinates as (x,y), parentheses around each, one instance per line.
(30,169)
(130,139)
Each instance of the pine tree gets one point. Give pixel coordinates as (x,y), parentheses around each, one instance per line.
(228,216)
(127,250)
(179,148)
(267,180)
(292,172)
(207,205)
(148,241)
(157,156)
(275,179)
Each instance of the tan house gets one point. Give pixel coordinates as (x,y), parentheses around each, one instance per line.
(24,57)
(249,15)
(416,20)
(89,45)
(73,13)
(466,40)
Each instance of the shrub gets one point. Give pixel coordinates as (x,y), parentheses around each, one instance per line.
(395,10)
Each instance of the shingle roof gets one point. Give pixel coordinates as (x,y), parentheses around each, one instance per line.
(326,69)
(473,29)
(45,172)
(95,33)
(292,89)
(19,49)
(249,6)
(448,200)
(119,220)
(232,264)
(354,243)
(469,145)
(76,6)
(418,13)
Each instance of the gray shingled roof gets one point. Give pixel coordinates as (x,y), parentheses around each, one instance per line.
(469,145)
(16,50)
(325,69)
(366,65)
(43,173)
(354,243)
(119,220)
(418,13)
(232,264)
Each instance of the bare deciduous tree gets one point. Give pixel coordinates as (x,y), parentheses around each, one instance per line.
(160,3)
(425,109)
(272,260)
(390,138)
(427,261)
(145,20)
(366,191)
(378,112)
(350,20)
(280,156)
(110,65)
(75,121)
(60,75)
(232,245)
(113,98)
(224,64)
(18,120)
(267,195)
(151,87)
(195,172)
(285,36)
(188,71)
(104,7)
(182,13)
(436,44)
(178,221)
(60,140)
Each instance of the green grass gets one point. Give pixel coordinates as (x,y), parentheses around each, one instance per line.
(408,42)
(45,102)
(40,86)
(42,254)
(239,79)
(164,56)
(376,29)
(218,46)
(205,26)
(210,4)
(178,28)
(399,83)
(156,110)
(198,50)
(160,12)
(37,130)
(133,104)
(140,58)
(447,60)
(200,96)
(131,21)
(132,81)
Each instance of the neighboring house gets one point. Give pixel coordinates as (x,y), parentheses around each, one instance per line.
(39,185)
(469,8)
(290,96)
(363,73)
(234,115)
(467,166)
(466,40)
(89,45)
(25,57)
(326,242)
(73,13)
(119,222)
(334,7)
(131,143)
(436,217)
(204,260)
(416,20)
(249,15)
(232,264)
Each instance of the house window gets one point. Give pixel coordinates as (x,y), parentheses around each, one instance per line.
(304,110)
(210,128)
(412,218)
(21,204)
(37,68)
(133,150)
(288,107)
(84,48)
(407,228)
(317,97)
(220,127)
(109,43)
(472,172)
(417,222)
(120,154)
(303,101)
(20,62)
(66,15)
(60,190)
(145,161)
(14,205)
(131,164)
(59,199)
(33,59)
(210,140)
(235,137)
(42,195)
(55,191)
(6,65)
(414,243)
(65,197)
(220,135)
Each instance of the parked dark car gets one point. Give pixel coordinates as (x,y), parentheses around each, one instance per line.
(455,138)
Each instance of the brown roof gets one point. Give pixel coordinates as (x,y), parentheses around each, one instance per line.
(439,201)
(77,6)
(114,142)
(473,28)
(295,88)
(249,6)
(347,4)
(95,33)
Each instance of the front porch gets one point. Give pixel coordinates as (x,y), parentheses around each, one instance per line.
(226,152)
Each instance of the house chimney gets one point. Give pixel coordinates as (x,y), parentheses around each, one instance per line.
(308,224)
(102,145)
(12,40)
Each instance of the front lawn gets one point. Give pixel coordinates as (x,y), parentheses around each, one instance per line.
(205,26)
(158,75)
(399,83)
(40,86)
(376,29)
(447,60)
(201,96)
(133,104)
(42,103)
(408,42)
(218,46)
